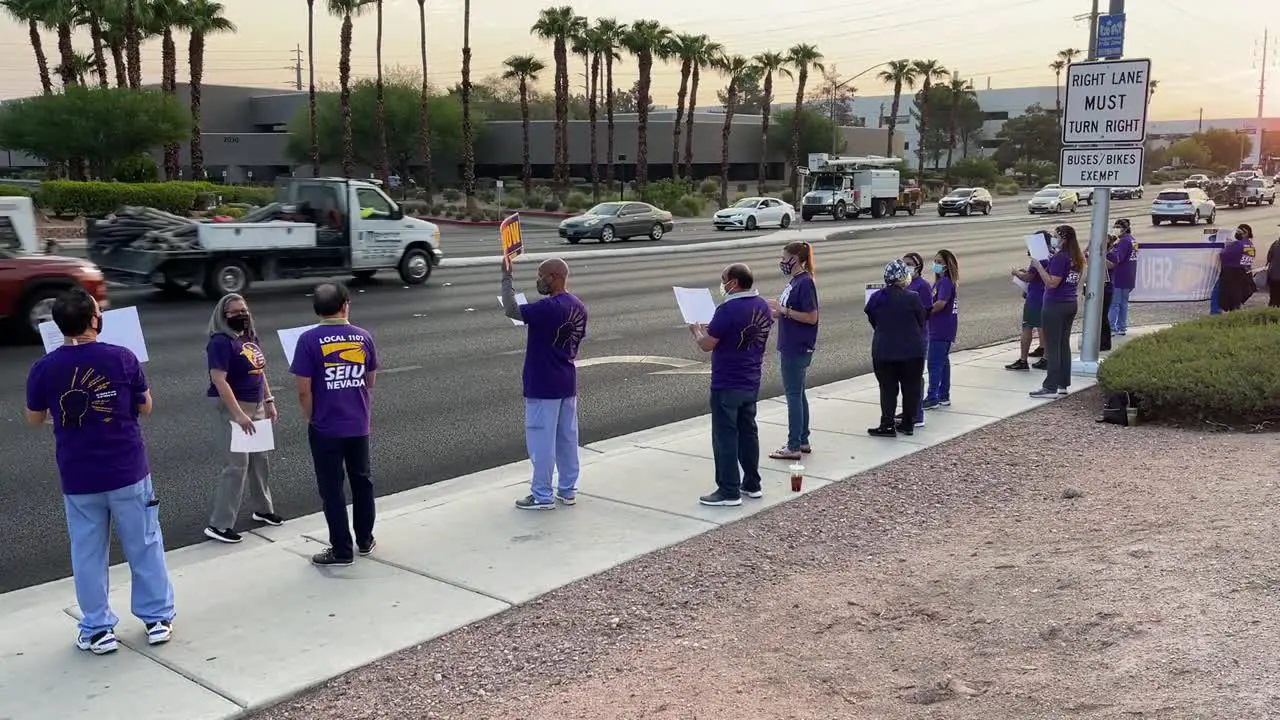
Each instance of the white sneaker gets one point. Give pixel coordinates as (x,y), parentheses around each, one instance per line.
(159,632)
(103,643)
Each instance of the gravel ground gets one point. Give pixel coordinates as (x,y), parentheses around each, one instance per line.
(975,580)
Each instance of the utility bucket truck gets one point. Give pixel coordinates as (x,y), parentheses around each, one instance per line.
(851,186)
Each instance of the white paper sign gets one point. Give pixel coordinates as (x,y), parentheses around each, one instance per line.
(1020,283)
(289,340)
(262,439)
(696,305)
(1038,247)
(119,327)
(872,289)
(520,300)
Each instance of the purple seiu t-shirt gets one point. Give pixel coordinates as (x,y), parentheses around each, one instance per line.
(244,363)
(557,325)
(92,393)
(1035,286)
(1238,254)
(795,337)
(741,324)
(338,358)
(944,323)
(1060,266)
(921,287)
(1124,254)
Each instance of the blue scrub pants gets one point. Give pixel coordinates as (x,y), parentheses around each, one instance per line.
(551,434)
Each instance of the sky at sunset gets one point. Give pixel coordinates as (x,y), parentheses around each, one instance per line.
(1202,59)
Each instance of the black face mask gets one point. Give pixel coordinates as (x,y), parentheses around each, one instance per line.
(239,322)
(543,286)
(97,325)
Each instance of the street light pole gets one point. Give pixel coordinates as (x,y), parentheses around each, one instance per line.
(835,129)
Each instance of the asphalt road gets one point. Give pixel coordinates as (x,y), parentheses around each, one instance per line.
(448,399)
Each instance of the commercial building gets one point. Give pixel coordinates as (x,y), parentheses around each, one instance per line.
(245,138)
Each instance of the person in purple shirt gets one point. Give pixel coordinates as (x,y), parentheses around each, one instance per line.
(796,312)
(1032,307)
(1237,269)
(1122,259)
(944,321)
(557,325)
(736,338)
(921,287)
(240,395)
(898,322)
(1061,277)
(336,364)
(93,394)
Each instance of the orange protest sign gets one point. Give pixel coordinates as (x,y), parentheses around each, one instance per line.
(512,242)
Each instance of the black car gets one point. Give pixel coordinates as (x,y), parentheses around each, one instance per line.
(1126,193)
(963,201)
(611,221)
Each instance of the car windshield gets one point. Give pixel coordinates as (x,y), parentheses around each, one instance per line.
(826,182)
(605,209)
(1047,194)
(959,193)
(747,203)
(1173,196)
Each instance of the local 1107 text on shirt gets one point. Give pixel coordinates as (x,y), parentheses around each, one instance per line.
(795,337)
(556,326)
(741,326)
(1238,254)
(244,363)
(338,358)
(944,323)
(92,392)
(1060,266)
(1124,276)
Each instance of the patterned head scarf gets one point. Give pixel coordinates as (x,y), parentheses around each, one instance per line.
(895,272)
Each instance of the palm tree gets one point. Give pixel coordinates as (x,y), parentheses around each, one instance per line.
(685,48)
(960,90)
(736,68)
(1057,66)
(647,40)
(524,69)
(27,11)
(91,18)
(803,58)
(468,136)
(596,45)
(345,9)
(580,44)
(61,16)
(1151,89)
(424,109)
(711,52)
(204,18)
(560,25)
(1069,55)
(608,33)
(928,71)
(900,74)
(113,37)
(163,17)
(767,63)
(311,87)
(133,43)
(380,114)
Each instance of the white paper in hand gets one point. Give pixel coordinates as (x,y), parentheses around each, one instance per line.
(696,305)
(872,289)
(1038,247)
(289,340)
(520,300)
(262,440)
(1020,283)
(119,327)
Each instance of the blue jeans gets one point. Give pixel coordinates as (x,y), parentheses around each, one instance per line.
(735,440)
(939,371)
(551,434)
(1118,313)
(135,513)
(794,368)
(1215,307)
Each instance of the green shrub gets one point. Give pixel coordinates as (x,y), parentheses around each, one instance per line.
(576,201)
(1007,188)
(229,211)
(709,188)
(245,194)
(665,193)
(451,195)
(788,197)
(551,205)
(415,207)
(136,169)
(1218,371)
(688,206)
(67,197)
(512,202)
(14,191)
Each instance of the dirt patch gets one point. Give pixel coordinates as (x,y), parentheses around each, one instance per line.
(1045,567)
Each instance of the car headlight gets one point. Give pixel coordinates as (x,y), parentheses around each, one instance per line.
(591,223)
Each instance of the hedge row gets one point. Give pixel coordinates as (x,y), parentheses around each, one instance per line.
(66,197)
(1218,371)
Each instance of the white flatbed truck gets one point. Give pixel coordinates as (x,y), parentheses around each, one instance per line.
(845,187)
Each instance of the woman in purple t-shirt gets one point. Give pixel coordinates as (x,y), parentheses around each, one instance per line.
(1061,277)
(944,322)
(1032,306)
(1237,269)
(797,314)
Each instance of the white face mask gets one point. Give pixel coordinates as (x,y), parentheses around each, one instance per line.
(723,292)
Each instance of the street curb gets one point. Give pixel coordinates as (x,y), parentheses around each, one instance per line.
(770,239)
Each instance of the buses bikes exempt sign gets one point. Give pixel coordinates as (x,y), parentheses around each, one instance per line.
(1106,102)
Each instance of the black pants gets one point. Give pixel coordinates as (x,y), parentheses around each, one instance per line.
(899,376)
(1057,319)
(735,441)
(1274,287)
(1237,283)
(1104,340)
(332,456)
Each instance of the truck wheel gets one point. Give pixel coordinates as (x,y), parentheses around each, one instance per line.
(878,208)
(911,209)
(37,307)
(228,276)
(415,266)
(840,212)
(806,216)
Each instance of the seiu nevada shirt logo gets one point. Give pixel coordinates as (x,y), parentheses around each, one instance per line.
(344,361)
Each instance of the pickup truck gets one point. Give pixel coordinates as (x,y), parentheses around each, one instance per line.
(324,227)
(30,280)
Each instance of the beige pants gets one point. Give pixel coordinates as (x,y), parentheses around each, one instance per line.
(253,469)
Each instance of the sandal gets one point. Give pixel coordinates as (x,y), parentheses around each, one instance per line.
(784,453)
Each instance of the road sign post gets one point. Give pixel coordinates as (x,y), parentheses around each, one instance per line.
(803,172)
(1104,126)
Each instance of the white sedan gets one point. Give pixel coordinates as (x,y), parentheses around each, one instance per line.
(753,212)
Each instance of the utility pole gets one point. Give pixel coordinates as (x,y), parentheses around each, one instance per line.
(1200,122)
(296,67)
(1093,32)
(1262,86)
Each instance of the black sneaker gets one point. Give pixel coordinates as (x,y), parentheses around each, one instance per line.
(1040,364)
(1018,364)
(717,499)
(228,535)
(326,558)
(1046,393)
(271,519)
(882,431)
(529,502)
(931,404)
(904,429)
(366,549)
(1038,352)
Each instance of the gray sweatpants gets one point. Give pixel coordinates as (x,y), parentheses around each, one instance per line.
(253,469)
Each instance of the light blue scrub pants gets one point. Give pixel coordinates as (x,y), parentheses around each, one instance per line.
(551,433)
(135,513)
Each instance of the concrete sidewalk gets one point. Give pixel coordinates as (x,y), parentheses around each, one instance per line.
(257,623)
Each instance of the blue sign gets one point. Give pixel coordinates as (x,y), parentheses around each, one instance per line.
(1110,40)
